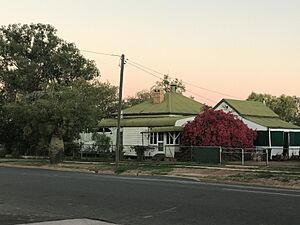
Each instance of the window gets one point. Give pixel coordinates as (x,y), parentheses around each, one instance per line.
(153,138)
(104,130)
(170,138)
(161,137)
(173,138)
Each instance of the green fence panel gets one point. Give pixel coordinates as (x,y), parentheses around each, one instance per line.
(206,155)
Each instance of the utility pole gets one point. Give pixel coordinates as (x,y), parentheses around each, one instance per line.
(117,157)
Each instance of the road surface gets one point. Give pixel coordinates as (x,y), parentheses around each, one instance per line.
(33,195)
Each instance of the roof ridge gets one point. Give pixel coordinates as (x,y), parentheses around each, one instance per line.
(169,104)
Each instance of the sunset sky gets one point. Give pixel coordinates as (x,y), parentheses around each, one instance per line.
(232,47)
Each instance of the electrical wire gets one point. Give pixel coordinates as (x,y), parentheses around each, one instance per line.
(145,67)
(146,71)
(100,53)
(208,99)
(138,67)
(187,83)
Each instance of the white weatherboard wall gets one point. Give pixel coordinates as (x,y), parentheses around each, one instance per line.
(183,122)
(133,136)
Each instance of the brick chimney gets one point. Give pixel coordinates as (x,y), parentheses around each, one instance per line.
(158,95)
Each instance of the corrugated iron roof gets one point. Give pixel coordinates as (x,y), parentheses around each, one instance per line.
(259,113)
(250,108)
(173,103)
(271,122)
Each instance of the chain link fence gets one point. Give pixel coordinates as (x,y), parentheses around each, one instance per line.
(234,156)
(199,154)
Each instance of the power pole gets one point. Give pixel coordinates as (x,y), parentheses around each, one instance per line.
(117,158)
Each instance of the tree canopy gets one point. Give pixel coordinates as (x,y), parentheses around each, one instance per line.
(48,89)
(145,95)
(33,56)
(166,83)
(217,128)
(139,97)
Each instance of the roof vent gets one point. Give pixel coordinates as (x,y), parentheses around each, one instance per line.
(173,87)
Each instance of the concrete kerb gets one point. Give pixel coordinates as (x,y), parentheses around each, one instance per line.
(71,222)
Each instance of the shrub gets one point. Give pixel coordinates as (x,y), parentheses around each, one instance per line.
(217,128)
(102,142)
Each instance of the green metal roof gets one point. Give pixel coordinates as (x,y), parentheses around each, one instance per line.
(259,113)
(173,103)
(142,122)
(250,108)
(271,122)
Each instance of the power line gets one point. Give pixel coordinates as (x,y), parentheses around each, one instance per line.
(206,89)
(138,67)
(208,99)
(188,83)
(100,53)
(148,68)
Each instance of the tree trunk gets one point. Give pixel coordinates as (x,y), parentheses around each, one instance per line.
(56,149)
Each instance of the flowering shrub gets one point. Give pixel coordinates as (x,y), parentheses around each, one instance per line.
(217,128)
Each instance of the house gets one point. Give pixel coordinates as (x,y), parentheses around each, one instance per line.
(156,123)
(272,132)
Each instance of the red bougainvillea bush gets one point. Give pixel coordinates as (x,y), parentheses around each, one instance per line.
(217,128)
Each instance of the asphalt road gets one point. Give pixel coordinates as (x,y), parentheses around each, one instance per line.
(32,195)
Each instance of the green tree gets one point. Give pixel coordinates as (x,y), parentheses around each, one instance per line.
(145,95)
(166,82)
(56,115)
(33,56)
(48,90)
(139,97)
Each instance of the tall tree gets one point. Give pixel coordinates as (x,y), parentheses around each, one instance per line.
(47,93)
(38,120)
(33,56)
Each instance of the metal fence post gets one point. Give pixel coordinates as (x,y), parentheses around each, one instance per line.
(243,157)
(267,155)
(220,155)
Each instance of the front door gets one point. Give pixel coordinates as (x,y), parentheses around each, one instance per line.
(160,142)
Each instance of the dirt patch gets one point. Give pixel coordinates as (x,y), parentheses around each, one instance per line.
(264,178)
(203,172)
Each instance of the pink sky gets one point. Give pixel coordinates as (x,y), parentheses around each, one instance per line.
(233,47)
